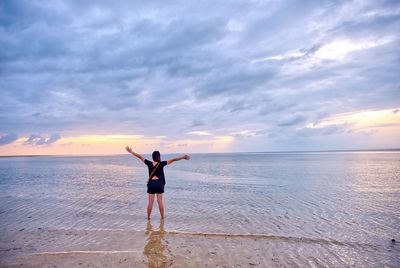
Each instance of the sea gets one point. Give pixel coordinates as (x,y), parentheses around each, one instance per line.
(348,200)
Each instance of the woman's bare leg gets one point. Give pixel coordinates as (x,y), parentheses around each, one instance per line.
(150,205)
(160,205)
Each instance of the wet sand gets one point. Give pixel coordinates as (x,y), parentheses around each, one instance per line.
(156,247)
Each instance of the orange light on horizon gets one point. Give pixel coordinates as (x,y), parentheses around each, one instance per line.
(115,144)
(362,119)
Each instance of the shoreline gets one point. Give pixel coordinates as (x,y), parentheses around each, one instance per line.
(156,247)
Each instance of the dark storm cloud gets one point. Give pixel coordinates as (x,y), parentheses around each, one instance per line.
(138,67)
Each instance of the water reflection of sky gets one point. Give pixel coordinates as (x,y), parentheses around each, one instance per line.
(345,197)
(156,249)
(377,173)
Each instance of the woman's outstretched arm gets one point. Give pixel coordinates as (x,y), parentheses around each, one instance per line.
(129,149)
(170,161)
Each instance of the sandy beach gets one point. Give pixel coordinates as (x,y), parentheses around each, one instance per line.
(156,247)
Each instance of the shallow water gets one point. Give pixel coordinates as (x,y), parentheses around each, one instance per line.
(332,201)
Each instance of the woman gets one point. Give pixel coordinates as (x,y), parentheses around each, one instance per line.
(156,182)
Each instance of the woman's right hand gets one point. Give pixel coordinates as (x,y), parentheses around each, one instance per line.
(128,149)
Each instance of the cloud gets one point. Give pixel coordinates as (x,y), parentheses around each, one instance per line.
(327,130)
(200,133)
(8,138)
(168,70)
(333,50)
(53,138)
(290,55)
(360,119)
(291,120)
(338,49)
(246,133)
(182,145)
(238,104)
(38,140)
(197,123)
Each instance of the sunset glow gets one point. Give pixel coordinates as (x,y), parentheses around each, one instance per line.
(115,144)
(363,119)
(242,77)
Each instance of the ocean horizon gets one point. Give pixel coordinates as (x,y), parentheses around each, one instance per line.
(241,152)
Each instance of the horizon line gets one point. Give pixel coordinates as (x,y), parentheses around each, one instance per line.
(254,152)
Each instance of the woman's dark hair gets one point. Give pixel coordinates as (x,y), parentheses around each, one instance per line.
(156,156)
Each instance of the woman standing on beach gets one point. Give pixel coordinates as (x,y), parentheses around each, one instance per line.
(155,185)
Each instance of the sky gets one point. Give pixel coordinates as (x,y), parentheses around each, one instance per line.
(89,77)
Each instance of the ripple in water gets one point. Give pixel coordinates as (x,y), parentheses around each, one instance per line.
(343,204)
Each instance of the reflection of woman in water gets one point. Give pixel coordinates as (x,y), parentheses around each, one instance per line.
(155,185)
(154,249)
